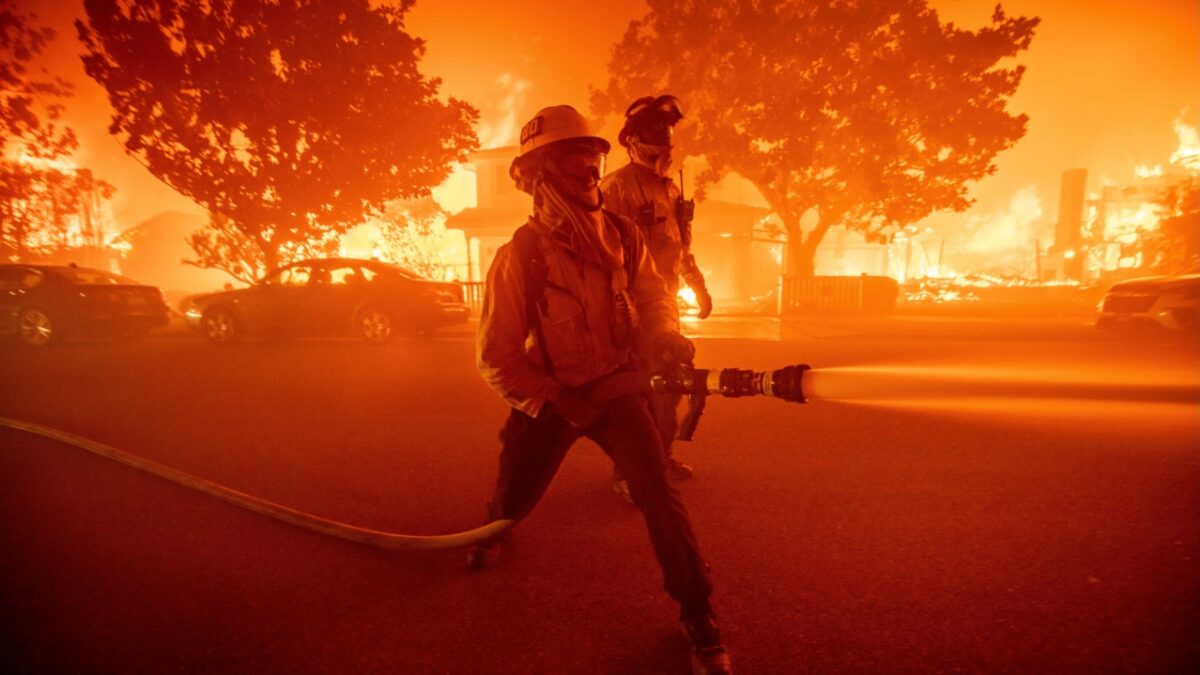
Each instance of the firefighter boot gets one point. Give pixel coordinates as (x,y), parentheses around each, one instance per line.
(677,470)
(709,656)
(485,553)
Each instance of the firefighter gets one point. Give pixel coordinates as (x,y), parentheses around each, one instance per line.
(644,192)
(565,302)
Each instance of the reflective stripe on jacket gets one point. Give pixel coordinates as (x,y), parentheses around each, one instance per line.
(576,317)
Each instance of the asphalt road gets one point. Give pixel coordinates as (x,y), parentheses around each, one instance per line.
(948,526)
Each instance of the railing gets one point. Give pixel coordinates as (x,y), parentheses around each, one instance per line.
(473,294)
(815,295)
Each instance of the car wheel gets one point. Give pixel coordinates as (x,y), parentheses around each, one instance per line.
(375,325)
(220,325)
(34,327)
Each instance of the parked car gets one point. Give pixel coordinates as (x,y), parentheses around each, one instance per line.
(41,304)
(365,298)
(1169,302)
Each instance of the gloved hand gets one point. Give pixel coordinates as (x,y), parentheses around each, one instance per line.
(703,299)
(673,349)
(574,408)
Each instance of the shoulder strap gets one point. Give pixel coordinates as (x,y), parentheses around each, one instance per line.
(533,266)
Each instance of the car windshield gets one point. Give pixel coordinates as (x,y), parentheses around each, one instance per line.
(90,277)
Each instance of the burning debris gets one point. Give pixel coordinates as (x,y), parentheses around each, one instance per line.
(974,288)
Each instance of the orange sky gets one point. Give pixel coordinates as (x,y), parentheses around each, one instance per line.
(1105,80)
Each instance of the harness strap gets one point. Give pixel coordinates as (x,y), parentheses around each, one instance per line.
(536,277)
(537,273)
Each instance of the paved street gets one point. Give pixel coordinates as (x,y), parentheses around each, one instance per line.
(960,529)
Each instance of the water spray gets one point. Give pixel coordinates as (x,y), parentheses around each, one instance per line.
(887,384)
(798,383)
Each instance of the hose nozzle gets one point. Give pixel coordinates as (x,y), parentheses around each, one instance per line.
(786,383)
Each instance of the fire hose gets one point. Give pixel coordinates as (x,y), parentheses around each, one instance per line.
(695,383)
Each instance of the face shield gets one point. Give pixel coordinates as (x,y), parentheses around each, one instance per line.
(581,164)
(576,169)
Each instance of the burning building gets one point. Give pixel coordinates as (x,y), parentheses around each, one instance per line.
(51,210)
(1146,224)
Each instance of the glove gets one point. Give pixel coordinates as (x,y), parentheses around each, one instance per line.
(673,349)
(703,299)
(574,408)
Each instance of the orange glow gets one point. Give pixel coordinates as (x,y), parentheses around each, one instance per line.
(1097,109)
(1187,155)
(687,298)
(1125,212)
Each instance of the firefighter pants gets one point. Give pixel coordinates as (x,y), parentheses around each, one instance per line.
(665,408)
(534,448)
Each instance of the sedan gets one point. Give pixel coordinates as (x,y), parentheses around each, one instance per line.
(333,296)
(1164,302)
(41,304)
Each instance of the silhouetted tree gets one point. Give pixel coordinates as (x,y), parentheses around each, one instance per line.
(412,233)
(30,104)
(865,113)
(48,208)
(287,119)
(30,107)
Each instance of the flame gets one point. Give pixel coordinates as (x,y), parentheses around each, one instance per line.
(689,307)
(687,297)
(503,130)
(1187,155)
(457,192)
(1148,171)
(65,165)
(73,231)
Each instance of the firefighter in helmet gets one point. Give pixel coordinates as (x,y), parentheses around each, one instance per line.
(644,192)
(566,303)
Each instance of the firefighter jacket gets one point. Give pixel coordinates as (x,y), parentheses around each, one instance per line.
(577,312)
(637,192)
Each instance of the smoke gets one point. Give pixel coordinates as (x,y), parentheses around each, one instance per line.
(1002,241)
(1012,227)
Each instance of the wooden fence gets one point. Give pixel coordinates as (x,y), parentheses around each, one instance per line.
(819,295)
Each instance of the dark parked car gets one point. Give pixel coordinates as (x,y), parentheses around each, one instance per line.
(1165,302)
(40,304)
(366,298)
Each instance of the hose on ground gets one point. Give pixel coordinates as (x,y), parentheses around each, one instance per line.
(332,528)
